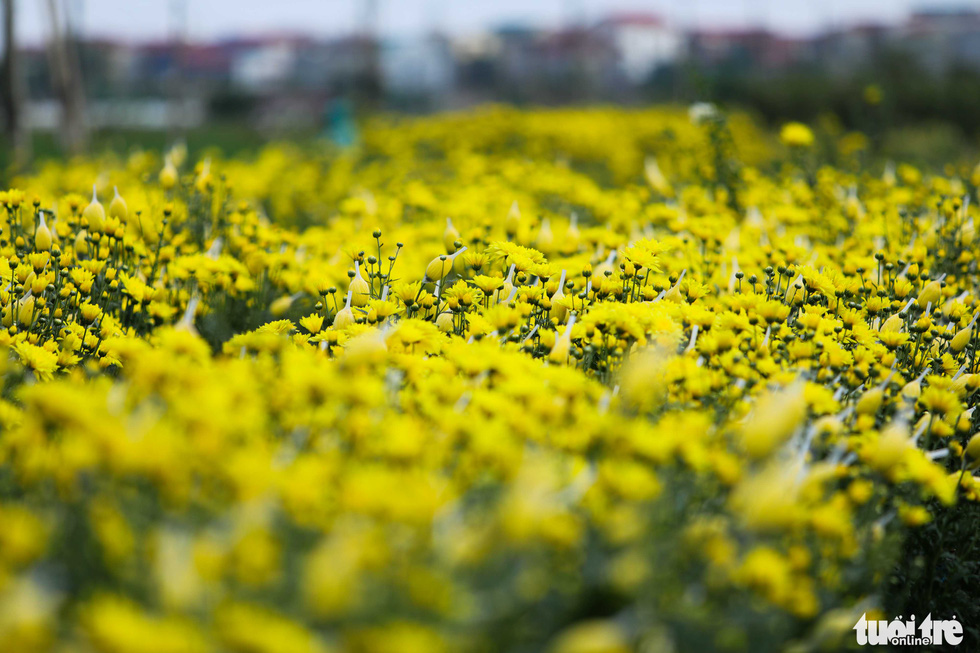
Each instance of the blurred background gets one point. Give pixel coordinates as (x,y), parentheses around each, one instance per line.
(83,74)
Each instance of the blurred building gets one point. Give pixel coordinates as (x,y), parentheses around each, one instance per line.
(290,80)
(747,48)
(837,51)
(418,71)
(942,38)
(610,60)
(642,44)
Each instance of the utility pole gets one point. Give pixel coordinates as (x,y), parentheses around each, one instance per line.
(12,90)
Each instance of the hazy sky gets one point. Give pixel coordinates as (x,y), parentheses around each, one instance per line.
(155,19)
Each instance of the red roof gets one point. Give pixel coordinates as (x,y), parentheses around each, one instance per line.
(637,19)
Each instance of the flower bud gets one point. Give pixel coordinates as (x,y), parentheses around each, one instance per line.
(25,311)
(81,243)
(961,340)
(450,236)
(775,417)
(563,344)
(168,176)
(870,402)
(95,214)
(42,237)
(440,266)
(345,316)
(358,287)
(973,447)
(893,324)
(558,310)
(445,321)
(930,294)
(546,237)
(504,293)
(118,208)
(572,236)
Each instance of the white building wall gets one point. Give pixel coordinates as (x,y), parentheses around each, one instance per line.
(644,48)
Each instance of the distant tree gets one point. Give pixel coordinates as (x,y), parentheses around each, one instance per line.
(67,78)
(12,90)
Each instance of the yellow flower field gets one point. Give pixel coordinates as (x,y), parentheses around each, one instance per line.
(660,382)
